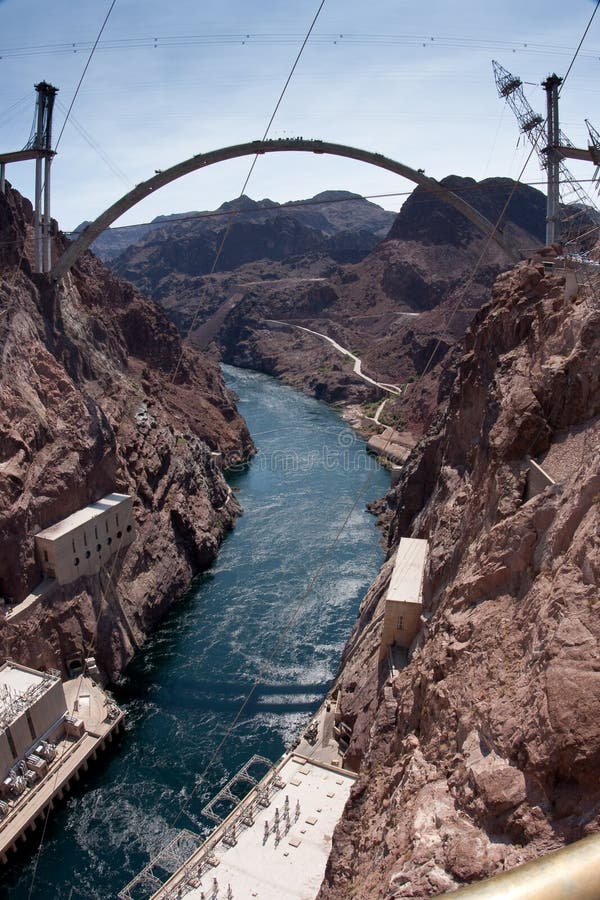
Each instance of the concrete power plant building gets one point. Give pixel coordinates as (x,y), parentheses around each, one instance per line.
(49,732)
(404,598)
(83,542)
(32,707)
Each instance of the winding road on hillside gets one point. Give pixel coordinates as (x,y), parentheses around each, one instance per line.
(384,386)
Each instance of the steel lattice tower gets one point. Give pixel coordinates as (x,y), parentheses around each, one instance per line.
(551,146)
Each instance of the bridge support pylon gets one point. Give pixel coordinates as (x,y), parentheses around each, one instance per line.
(38,147)
(553,157)
(43,144)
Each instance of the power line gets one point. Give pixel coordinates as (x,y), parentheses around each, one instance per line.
(96,147)
(249,175)
(418,198)
(296,204)
(248,697)
(85,68)
(39,850)
(583,37)
(166,41)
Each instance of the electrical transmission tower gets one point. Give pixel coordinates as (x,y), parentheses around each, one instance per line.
(567,204)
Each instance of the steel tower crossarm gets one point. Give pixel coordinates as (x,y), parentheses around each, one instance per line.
(510,88)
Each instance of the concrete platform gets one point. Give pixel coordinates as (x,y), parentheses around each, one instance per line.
(101,719)
(19,612)
(278,856)
(395,446)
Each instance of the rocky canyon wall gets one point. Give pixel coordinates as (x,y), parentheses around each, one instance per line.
(98,394)
(485,750)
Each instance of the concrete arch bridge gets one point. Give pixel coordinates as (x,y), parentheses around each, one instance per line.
(202,160)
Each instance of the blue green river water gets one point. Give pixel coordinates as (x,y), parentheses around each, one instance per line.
(183,689)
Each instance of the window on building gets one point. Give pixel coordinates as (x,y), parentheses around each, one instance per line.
(117,518)
(119,534)
(106,525)
(96,531)
(129,528)
(73,545)
(87,554)
(46,555)
(98,547)
(400,623)
(76,560)
(85,539)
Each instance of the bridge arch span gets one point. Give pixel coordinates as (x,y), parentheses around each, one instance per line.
(202,160)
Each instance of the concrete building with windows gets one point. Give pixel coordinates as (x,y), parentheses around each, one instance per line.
(83,542)
(404,597)
(32,707)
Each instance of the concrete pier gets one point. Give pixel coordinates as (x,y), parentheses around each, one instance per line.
(395,446)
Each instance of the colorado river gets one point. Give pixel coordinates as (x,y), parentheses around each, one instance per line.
(276,607)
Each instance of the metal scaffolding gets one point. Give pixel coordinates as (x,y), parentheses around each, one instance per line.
(166,862)
(226,794)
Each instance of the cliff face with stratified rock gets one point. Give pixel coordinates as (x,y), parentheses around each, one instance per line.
(98,394)
(485,750)
(400,309)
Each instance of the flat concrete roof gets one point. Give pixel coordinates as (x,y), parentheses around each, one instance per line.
(293,867)
(406,583)
(17,680)
(81,516)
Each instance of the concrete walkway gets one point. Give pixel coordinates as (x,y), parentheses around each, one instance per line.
(21,610)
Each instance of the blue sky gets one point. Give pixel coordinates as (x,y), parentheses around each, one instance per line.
(169,80)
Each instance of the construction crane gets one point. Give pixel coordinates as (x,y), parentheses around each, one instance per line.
(552,147)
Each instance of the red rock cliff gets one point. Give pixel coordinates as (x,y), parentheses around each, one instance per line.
(485,750)
(88,406)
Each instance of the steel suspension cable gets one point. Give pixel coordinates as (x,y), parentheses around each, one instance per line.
(83,74)
(249,175)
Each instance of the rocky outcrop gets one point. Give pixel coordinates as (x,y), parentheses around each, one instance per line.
(427,219)
(485,750)
(98,394)
(329,213)
(401,308)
